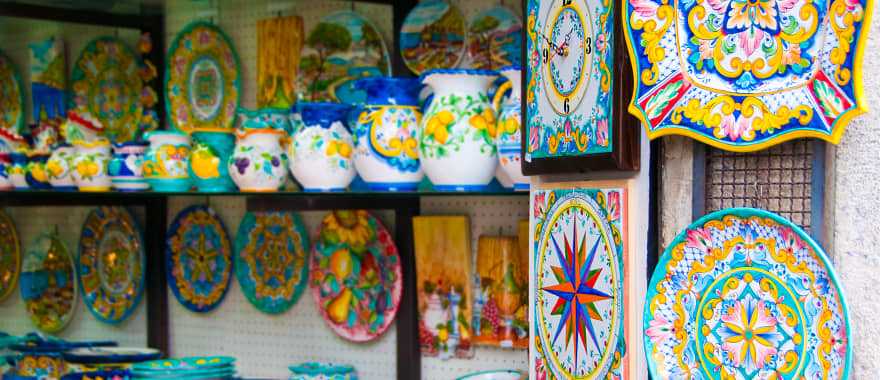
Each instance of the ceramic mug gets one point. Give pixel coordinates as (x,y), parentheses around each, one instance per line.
(90,165)
(208,160)
(126,167)
(36,175)
(60,168)
(166,162)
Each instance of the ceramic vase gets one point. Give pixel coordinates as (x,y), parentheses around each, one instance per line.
(126,167)
(166,162)
(90,165)
(321,152)
(258,163)
(509,141)
(319,371)
(5,167)
(36,175)
(60,168)
(457,142)
(18,170)
(208,161)
(386,134)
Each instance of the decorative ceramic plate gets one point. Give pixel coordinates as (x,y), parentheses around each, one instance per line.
(201,367)
(271,259)
(110,355)
(494,39)
(341,48)
(106,82)
(746,294)
(199,258)
(433,36)
(47,283)
(111,264)
(743,76)
(10,256)
(356,277)
(203,79)
(577,283)
(11,97)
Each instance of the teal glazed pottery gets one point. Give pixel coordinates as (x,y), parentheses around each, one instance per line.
(60,168)
(126,166)
(319,371)
(200,367)
(321,152)
(276,118)
(211,151)
(386,153)
(37,176)
(5,167)
(747,294)
(508,374)
(166,164)
(509,141)
(91,165)
(17,170)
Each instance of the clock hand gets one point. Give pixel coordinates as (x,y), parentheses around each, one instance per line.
(556,49)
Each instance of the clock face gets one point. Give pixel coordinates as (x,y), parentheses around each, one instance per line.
(568,77)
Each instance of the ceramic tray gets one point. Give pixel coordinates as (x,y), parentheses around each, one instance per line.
(47,283)
(12,116)
(10,256)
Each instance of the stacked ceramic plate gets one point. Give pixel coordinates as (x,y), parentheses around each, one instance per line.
(87,359)
(191,368)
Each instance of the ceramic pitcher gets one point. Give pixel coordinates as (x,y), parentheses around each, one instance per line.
(60,167)
(36,175)
(258,162)
(166,163)
(208,161)
(509,141)
(126,167)
(321,152)
(387,134)
(90,165)
(457,144)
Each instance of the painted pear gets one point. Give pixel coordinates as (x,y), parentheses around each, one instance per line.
(339,307)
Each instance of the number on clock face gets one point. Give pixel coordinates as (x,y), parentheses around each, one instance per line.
(566,47)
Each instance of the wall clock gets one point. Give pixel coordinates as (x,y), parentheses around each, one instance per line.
(568,121)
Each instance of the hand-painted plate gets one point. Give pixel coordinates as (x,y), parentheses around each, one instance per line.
(10,256)
(199,258)
(433,36)
(494,39)
(271,259)
(111,264)
(110,355)
(746,294)
(48,277)
(351,48)
(743,76)
(106,82)
(203,79)
(200,366)
(11,97)
(356,278)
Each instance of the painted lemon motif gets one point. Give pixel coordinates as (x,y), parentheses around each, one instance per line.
(339,307)
(55,169)
(205,164)
(39,173)
(340,263)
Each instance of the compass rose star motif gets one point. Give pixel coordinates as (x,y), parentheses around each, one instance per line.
(202,257)
(276,259)
(576,292)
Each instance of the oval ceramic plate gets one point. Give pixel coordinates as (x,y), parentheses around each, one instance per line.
(199,258)
(111,264)
(745,294)
(10,256)
(271,259)
(203,79)
(47,283)
(11,97)
(350,47)
(433,36)
(106,82)
(108,355)
(356,278)
(494,39)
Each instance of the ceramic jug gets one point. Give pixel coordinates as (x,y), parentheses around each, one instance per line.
(126,167)
(166,162)
(258,163)
(387,134)
(11,141)
(319,371)
(457,143)
(81,126)
(90,165)
(60,167)
(5,167)
(36,175)
(321,152)
(208,161)
(509,141)
(18,170)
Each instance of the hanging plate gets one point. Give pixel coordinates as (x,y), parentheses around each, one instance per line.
(743,76)
(47,283)
(11,97)
(10,256)
(271,258)
(203,79)
(356,278)
(199,258)
(433,36)
(746,294)
(494,39)
(111,264)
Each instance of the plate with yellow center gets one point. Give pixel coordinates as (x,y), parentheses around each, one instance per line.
(199,255)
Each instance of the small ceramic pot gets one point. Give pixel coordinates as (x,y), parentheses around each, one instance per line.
(166,163)
(5,167)
(258,163)
(18,170)
(321,152)
(319,371)
(208,160)
(90,165)
(509,141)
(126,167)
(60,168)
(387,134)
(36,175)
